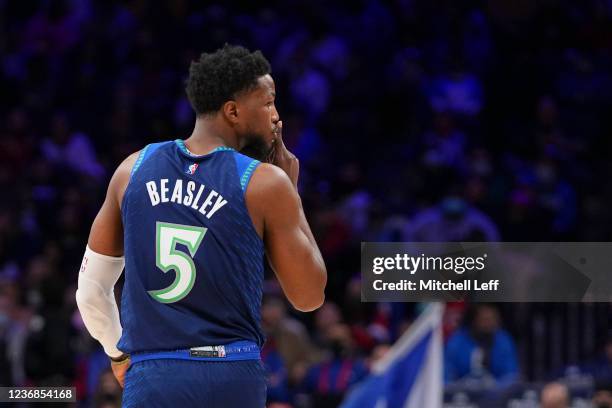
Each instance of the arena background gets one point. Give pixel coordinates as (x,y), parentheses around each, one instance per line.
(406,115)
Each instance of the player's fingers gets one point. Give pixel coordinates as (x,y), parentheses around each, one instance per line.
(278,151)
(277,131)
(280,145)
(279,135)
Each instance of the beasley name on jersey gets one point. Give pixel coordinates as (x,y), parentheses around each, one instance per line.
(158,194)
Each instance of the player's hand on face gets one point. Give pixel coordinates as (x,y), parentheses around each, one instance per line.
(280,156)
(119,370)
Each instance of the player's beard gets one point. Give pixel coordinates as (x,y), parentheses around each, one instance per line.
(256,147)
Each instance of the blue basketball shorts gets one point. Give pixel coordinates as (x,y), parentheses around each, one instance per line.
(208,383)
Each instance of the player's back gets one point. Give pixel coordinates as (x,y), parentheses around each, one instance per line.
(194,261)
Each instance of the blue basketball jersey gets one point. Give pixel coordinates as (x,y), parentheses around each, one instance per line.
(194,261)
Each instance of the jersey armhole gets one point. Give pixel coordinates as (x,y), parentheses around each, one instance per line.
(245,167)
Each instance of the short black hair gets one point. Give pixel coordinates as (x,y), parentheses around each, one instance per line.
(216,78)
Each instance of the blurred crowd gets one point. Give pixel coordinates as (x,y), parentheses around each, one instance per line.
(414,120)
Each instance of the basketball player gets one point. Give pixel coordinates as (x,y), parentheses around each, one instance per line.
(191,220)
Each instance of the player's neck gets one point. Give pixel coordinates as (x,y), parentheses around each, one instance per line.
(207,135)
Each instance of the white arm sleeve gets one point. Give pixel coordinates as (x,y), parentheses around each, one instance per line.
(95,298)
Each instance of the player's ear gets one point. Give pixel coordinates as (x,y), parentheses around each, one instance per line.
(230,111)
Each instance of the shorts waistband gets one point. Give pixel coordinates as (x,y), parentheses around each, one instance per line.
(236,351)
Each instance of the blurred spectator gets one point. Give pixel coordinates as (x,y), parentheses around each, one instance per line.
(13,331)
(602,397)
(601,367)
(277,378)
(555,395)
(108,393)
(72,149)
(327,317)
(329,380)
(452,220)
(444,144)
(454,313)
(378,353)
(365,330)
(311,90)
(481,349)
(459,92)
(550,134)
(288,348)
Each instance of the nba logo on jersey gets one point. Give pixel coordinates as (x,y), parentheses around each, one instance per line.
(192,168)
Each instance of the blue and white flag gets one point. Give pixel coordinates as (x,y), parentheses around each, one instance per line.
(410,375)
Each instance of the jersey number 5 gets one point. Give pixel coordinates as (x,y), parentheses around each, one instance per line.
(167,258)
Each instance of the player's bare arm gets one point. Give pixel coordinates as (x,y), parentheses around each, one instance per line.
(273,199)
(106,235)
(101,268)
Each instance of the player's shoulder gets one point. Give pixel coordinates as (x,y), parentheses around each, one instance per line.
(268,178)
(128,163)
(269,192)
